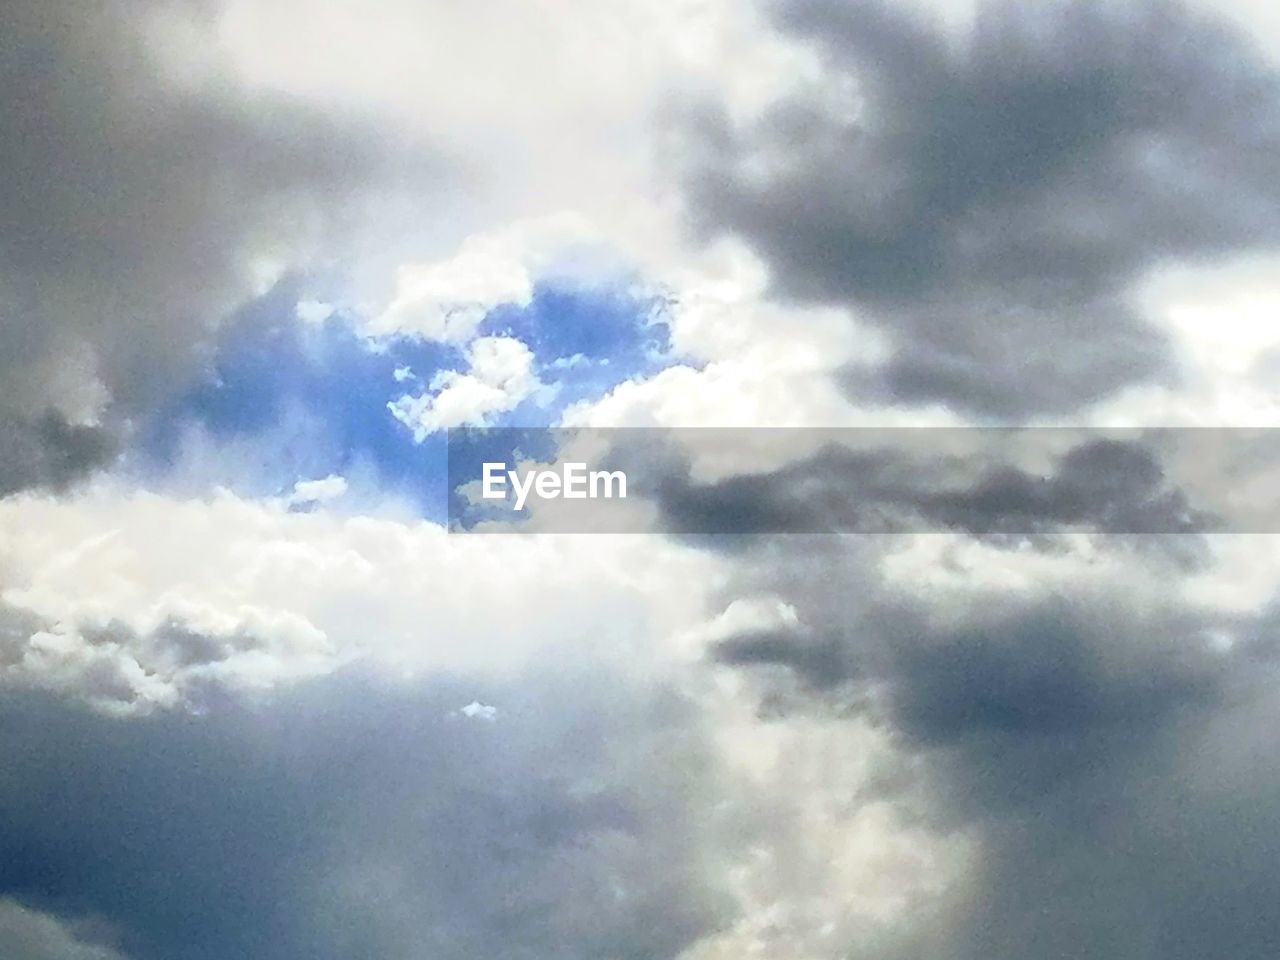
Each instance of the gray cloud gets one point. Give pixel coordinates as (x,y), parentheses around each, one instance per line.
(139,207)
(1115,766)
(914,480)
(114,667)
(1053,664)
(50,452)
(1099,743)
(30,935)
(994,200)
(358,817)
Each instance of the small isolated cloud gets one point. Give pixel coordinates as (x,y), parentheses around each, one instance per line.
(499,378)
(475,710)
(317,491)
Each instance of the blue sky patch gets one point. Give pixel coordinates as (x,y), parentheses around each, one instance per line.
(284,399)
(586,340)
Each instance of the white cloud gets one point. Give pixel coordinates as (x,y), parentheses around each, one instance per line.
(313,311)
(500,376)
(446,299)
(135,600)
(1220,318)
(317,491)
(475,710)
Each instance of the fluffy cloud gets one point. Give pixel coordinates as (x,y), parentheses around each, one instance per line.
(317,491)
(500,376)
(448,299)
(107,598)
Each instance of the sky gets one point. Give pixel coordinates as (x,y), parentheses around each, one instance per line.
(260,256)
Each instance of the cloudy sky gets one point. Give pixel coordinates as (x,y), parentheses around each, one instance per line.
(257,256)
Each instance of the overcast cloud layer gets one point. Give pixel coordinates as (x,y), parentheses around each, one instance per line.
(255,700)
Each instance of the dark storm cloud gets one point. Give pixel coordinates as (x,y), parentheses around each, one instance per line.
(914,480)
(995,199)
(1141,833)
(821,663)
(356,817)
(138,203)
(1102,746)
(1052,667)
